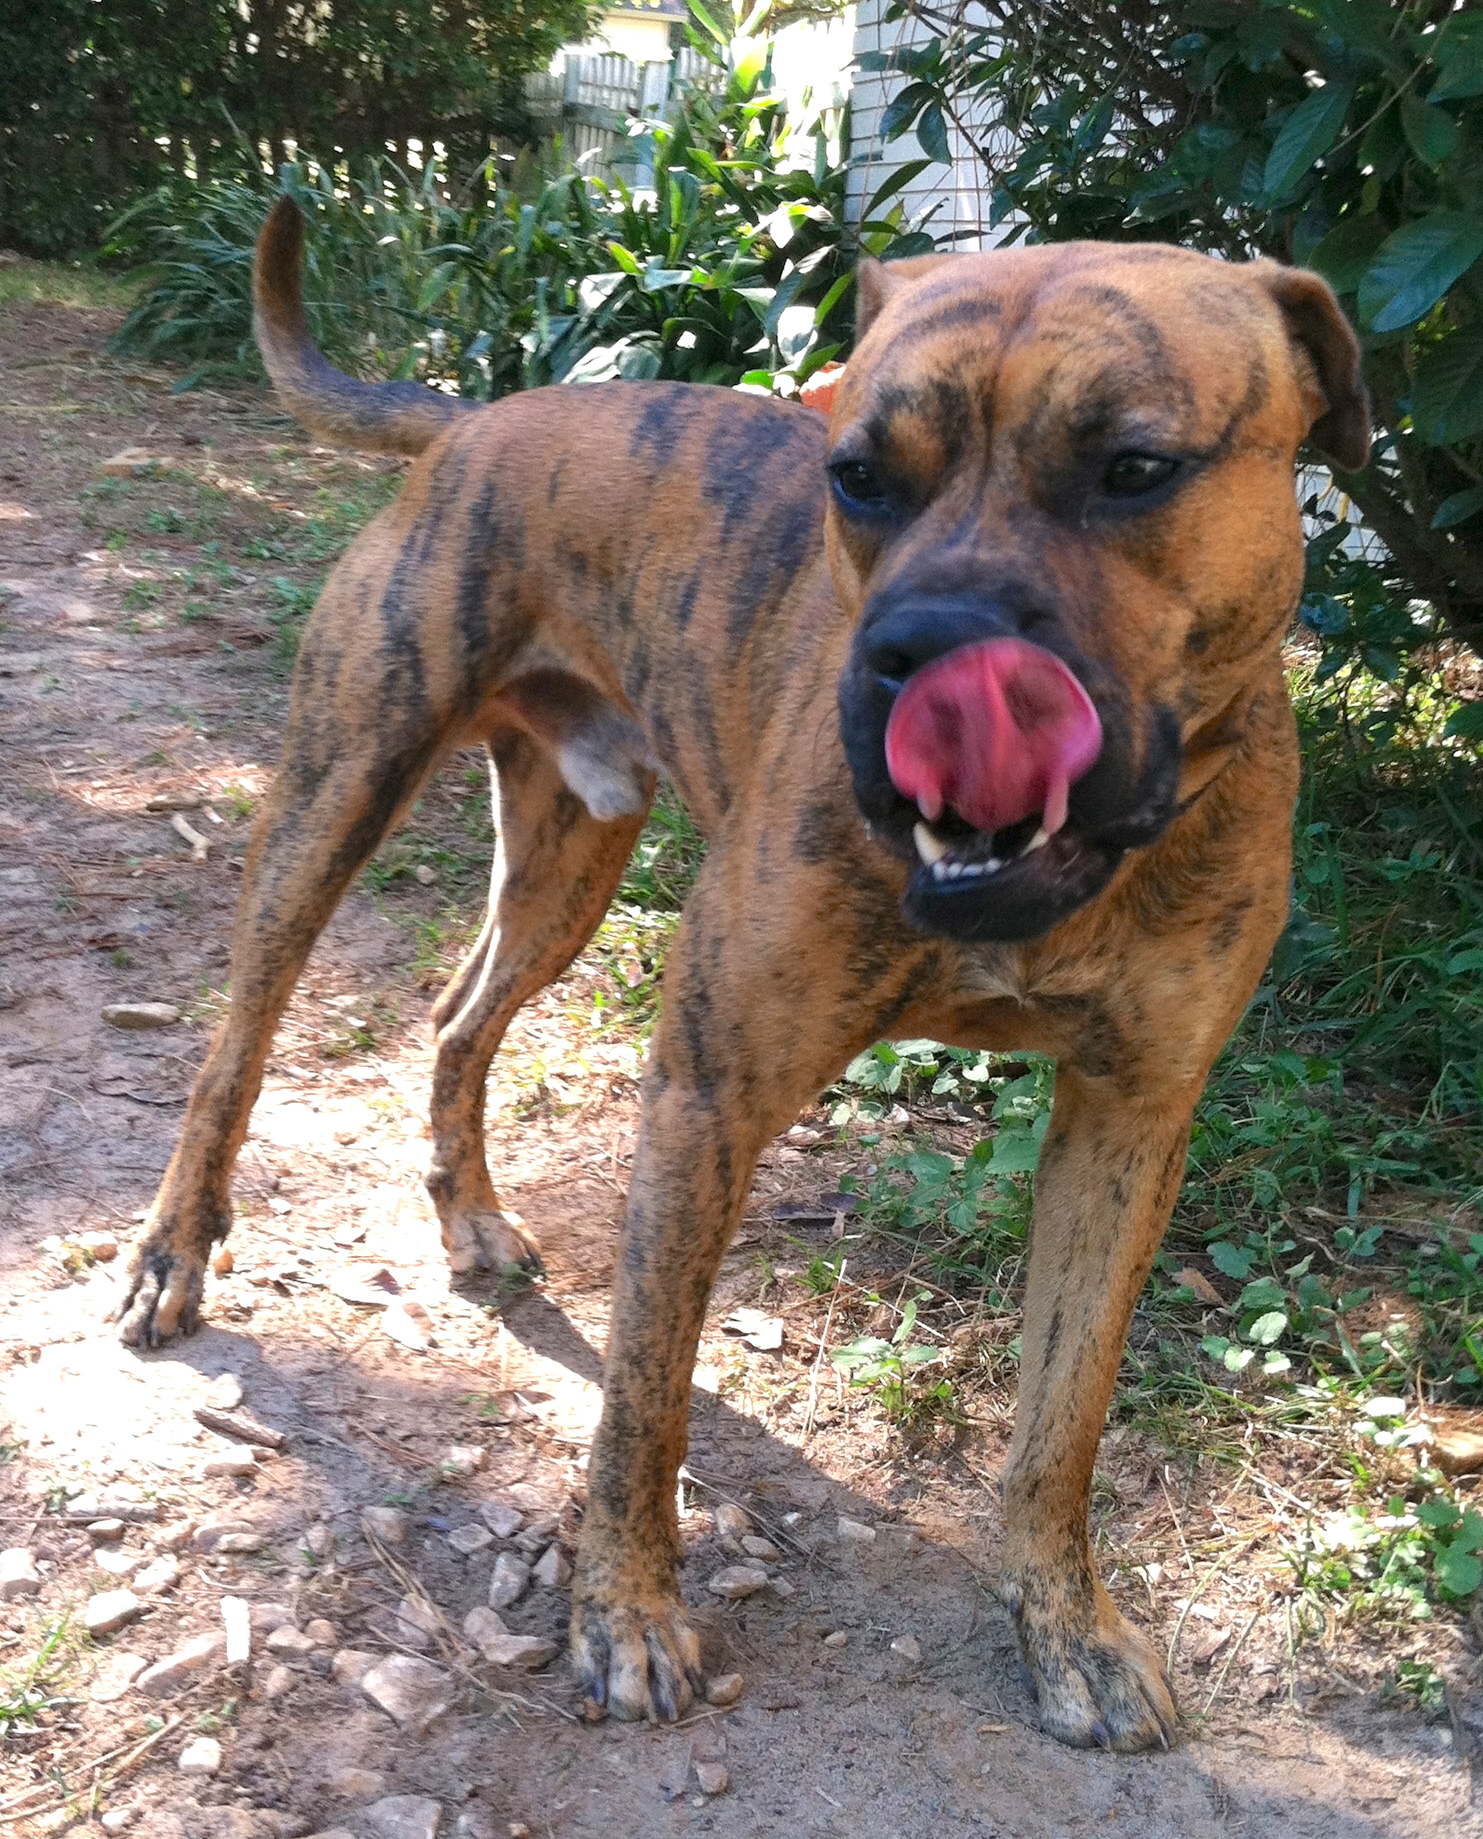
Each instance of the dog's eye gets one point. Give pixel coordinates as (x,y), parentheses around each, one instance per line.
(858,486)
(1130,475)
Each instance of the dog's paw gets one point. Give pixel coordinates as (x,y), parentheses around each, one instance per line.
(635,1658)
(492,1240)
(1099,1681)
(162,1295)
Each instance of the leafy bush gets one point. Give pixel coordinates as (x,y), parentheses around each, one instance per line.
(739,262)
(1343,134)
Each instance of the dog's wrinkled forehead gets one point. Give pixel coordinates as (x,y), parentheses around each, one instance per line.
(1057,356)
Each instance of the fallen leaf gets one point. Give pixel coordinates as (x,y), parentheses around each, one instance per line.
(408,1323)
(764,1332)
(1204,1290)
(372,1284)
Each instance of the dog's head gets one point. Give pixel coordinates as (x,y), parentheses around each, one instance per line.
(1063,519)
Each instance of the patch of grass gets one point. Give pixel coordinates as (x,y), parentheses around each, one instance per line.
(66,284)
(30,1686)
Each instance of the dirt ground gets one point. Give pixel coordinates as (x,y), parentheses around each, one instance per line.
(140,661)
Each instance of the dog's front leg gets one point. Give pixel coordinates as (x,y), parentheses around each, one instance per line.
(1109,1172)
(753,1027)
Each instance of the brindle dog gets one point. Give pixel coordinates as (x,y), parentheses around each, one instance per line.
(1062,475)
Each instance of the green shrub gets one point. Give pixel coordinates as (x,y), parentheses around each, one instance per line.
(738,262)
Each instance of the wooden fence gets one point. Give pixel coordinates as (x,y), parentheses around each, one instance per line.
(594,102)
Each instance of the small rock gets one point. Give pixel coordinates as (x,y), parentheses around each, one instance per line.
(712,1777)
(322,1632)
(104,1532)
(424,874)
(319,1539)
(387,1524)
(403,1816)
(412,1691)
(118,1819)
(780,1587)
(352,1784)
(202,1757)
(240,1543)
(236,1618)
(724,1689)
(495,1642)
(908,1647)
(528,1497)
(554,1571)
(351,1665)
(756,1547)
(737,1581)
(418,1613)
(180,1668)
(855,1532)
(174,1538)
(290,1642)
(102,1245)
(114,1677)
(732,1522)
(470,1539)
(508,1582)
(18,1573)
(465,1458)
(537,1535)
(279,1682)
(222,1261)
(233,1463)
(224,1393)
(114,1561)
(265,1617)
(163,1574)
(1455,1450)
(209,1535)
(502,1520)
(840,1638)
(110,1610)
(141,1015)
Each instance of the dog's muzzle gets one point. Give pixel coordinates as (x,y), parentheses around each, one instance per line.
(984,757)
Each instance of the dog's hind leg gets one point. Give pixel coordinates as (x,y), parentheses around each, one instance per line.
(555,870)
(341,786)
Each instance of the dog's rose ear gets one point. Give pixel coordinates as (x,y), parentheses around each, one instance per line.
(1341,427)
(874,285)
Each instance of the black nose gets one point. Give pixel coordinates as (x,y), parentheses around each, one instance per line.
(914,632)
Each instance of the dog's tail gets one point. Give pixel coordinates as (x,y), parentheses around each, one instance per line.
(378,417)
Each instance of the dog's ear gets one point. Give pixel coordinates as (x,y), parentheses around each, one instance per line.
(876,282)
(1341,424)
(874,286)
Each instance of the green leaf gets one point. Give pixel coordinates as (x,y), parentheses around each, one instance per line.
(1469,1535)
(1459,1573)
(1015,1153)
(1447,400)
(1437,1513)
(1464,961)
(1347,251)
(1414,268)
(1433,133)
(1466,722)
(1263,1293)
(1459,52)
(902,176)
(903,109)
(1231,1260)
(629,263)
(1458,508)
(1306,136)
(932,135)
(1268,1328)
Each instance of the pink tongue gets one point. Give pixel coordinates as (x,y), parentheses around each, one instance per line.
(997,730)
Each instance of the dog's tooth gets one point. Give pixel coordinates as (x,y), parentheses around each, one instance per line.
(930,846)
(992,866)
(1038,841)
(939,871)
